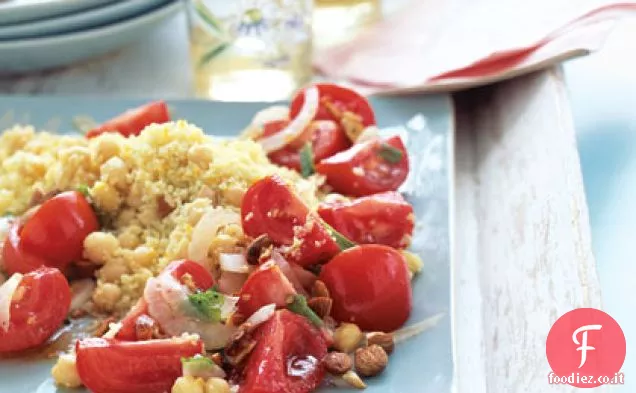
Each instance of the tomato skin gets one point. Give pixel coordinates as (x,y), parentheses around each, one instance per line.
(370,287)
(57,230)
(327,139)
(343,98)
(272,195)
(384,218)
(39,312)
(375,174)
(201,277)
(265,286)
(14,256)
(286,337)
(111,366)
(133,121)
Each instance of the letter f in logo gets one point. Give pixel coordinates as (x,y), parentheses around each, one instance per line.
(584,347)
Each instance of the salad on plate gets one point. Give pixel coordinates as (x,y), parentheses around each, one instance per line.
(275,261)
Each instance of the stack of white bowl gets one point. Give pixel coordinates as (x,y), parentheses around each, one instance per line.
(43,34)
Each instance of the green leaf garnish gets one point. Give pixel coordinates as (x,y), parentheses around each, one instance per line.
(83,188)
(197,360)
(390,154)
(208,304)
(307,160)
(340,239)
(299,306)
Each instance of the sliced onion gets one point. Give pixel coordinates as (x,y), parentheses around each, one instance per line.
(82,292)
(231,283)
(235,263)
(6,295)
(205,231)
(296,127)
(229,306)
(261,315)
(269,114)
(167,301)
(417,328)
(370,132)
(289,272)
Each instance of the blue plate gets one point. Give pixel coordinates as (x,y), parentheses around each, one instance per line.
(92,18)
(16,11)
(422,364)
(41,53)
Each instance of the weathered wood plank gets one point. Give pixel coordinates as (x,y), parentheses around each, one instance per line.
(522,249)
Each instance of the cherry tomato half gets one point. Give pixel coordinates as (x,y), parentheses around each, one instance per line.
(384,218)
(133,121)
(111,366)
(327,139)
(287,357)
(370,287)
(270,207)
(38,308)
(200,276)
(57,230)
(367,168)
(264,286)
(15,258)
(342,98)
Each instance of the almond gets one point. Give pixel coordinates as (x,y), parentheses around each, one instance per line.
(321,306)
(337,363)
(256,248)
(320,289)
(371,361)
(385,340)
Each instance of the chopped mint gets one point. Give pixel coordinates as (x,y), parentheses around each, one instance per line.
(390,154)
(208,304)
(299,306)
(83,188)
(307,160)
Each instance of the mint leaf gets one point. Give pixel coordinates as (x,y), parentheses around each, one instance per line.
(299,306)
(208,304)
(307,160)
(340,239)
(390,154)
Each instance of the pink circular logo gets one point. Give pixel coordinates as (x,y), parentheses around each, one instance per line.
(585,349)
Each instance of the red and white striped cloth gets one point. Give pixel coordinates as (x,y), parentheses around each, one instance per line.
(448,45)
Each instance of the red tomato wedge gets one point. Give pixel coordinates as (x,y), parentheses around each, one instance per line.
(367,168)
(38,308)
(57,230)
(287,357)
(111,366)
(370,287)
(327,139)
(270,207)
(342,98)
(384,218)
(15,258)
(133,121)
(265,286)
(201,277)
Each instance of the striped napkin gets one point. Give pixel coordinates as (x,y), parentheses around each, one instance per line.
(449,45)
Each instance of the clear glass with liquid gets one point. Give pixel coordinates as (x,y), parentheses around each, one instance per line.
(250,50)
(336,21)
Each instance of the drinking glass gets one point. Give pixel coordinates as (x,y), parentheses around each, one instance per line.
(250,50)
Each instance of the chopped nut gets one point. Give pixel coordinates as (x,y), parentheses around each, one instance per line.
(256,248)
(146,328)
(240,345)
(320,289)
(237,319)
(217,358)
(347,337)
(354,380)
(321,306)
(384,340)
(337,363)
(371,361)
(163,207)
(103,326)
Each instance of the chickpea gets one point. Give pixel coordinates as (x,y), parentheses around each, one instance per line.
(100,247)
